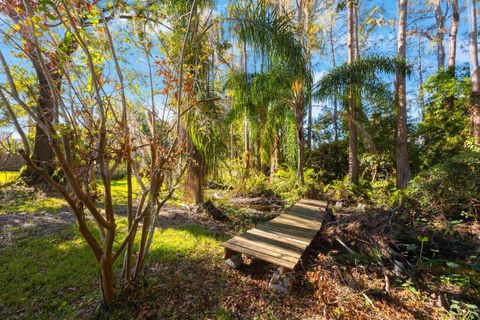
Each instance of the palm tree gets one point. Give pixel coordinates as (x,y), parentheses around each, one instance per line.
(265,29)
(361,78)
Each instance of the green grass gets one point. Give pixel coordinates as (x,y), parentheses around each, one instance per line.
(119,190)
(46,275)
(23,199)
(8,176)
(55,275)
(33,205)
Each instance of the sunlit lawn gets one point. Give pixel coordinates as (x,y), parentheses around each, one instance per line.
(8,176)
(31,205)
(22,199)
(27,202)
(51,277)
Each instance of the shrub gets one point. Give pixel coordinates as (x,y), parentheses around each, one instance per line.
(343,190)
(330,160)
(285,184)
(444,128)
(382,193)
(451,186)
(233,177)
(120,172)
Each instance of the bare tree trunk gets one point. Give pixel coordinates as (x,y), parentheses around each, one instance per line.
(475,95)
(440,21)
(421,97)
(452,40)
(401,151)
(452,50)
(353,163)
(246,149)
(310,121)
(232,147)
(357,42)
(263,110)
(335,106)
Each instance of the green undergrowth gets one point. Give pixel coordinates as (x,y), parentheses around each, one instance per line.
(55,276)
(283,184)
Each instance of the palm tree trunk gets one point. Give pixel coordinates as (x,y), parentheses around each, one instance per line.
(262,117)
(300,140)
(475,95)
(275,160)
(401,151)
(195,177)
(353,163)
(43,155)
(246,133)
(310,126)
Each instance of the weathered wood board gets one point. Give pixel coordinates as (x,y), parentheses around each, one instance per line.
(282,240)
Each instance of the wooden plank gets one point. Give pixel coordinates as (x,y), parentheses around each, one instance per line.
(304,234)
(305,205)
(306,214)
(298,222)
(273,239)
(318,203)
(284,232)
(281,236)
(302,211)
(272,258)
(290,253)
(314,217)
(282,240)
(294,229)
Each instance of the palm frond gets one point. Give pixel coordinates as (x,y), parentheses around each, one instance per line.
(365,75)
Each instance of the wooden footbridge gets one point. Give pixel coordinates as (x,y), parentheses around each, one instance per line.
(280,241)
